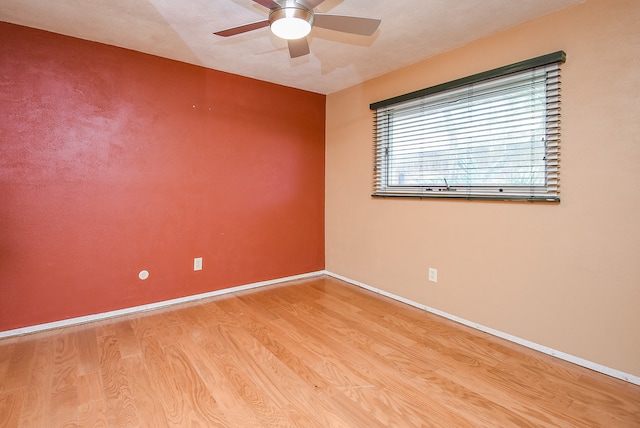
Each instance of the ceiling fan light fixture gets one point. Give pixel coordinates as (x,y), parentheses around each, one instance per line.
(291,22)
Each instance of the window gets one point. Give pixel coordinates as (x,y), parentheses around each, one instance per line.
(494,135)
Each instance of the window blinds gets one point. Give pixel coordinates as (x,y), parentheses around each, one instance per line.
(493,136)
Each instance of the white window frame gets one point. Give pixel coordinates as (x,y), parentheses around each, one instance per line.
(493,135)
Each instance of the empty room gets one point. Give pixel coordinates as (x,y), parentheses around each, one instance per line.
(307,213)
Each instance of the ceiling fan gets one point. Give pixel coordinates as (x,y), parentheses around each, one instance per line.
(292,20)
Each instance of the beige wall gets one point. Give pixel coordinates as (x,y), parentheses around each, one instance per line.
(566,276)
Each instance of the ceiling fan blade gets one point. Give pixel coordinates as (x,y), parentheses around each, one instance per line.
(298,47)
(242,28)
(347,24)
(310,4)
(269,4)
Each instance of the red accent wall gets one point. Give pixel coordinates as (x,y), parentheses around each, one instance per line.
(113,161)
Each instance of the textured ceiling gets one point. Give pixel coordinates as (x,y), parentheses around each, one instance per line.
(411,30)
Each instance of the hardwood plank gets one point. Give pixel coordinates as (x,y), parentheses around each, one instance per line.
(35,406)
(266,412)
(236,411)
(185,398)
(64,400)
(200,406)
(10,404)
(7,348)
(90,387)
(156,382)
(297,391)
(93,414)
(127,341)
(120,405)
(88,352)
(104,328)
(146,395)
(245,377)
(258,325)
(18,367)
(152,324)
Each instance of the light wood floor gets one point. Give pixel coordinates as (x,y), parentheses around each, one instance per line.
(313,353)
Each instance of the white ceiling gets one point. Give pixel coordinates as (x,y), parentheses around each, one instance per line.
(411,30)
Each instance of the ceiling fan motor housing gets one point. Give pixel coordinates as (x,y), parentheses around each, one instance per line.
(291,21)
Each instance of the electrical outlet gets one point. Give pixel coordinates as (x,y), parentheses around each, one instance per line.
(433,275)
(197,263)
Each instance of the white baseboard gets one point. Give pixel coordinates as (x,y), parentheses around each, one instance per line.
(545,350)
(150,306)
